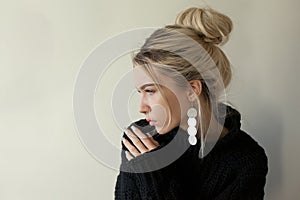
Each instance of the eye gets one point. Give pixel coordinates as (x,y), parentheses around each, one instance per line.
(150,91)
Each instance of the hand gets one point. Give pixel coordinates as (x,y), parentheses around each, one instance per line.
(142,143)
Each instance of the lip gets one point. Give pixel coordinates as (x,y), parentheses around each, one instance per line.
(152,123)
(149,119)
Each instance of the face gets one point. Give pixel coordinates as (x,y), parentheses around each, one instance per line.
(152,103)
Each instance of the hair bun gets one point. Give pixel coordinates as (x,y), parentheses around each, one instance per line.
(209,24)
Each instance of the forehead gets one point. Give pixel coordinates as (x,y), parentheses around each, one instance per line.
(142,79)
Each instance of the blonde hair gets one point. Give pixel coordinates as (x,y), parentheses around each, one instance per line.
(165,47)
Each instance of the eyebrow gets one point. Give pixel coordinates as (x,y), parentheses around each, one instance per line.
(146,85)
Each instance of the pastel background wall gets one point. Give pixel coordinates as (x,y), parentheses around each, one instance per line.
(43,44)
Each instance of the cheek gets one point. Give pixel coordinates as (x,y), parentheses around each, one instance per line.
(176,111)
(159,109)
(159,112)
(178,106)
(155,100)
(173,102)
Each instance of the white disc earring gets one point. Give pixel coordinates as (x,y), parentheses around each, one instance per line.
(192,131)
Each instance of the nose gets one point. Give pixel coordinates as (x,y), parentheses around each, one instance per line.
(144,106)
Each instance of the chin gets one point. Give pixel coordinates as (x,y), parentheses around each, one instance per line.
(161,130)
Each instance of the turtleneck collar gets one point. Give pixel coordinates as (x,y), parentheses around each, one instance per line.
(232,120)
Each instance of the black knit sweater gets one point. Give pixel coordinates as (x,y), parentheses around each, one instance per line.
(235,168)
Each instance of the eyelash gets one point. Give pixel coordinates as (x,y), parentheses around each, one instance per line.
(150,91)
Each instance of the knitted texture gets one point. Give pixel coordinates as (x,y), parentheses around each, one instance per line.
(234,169)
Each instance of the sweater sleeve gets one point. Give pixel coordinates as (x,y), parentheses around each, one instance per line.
(158,185)
(161,184)
(126,187)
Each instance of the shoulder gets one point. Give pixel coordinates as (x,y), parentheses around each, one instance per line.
(243,153)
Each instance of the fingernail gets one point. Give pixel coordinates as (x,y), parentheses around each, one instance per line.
(149,134)
(123,139)
(126,131)
(133,127)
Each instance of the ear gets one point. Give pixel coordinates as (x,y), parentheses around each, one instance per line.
(197,88)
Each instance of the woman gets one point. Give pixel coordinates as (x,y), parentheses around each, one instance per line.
(190,145)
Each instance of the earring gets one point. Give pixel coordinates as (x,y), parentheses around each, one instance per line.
(192,131)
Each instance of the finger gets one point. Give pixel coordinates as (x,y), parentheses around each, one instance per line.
(131,148)
(147,139)
(154,142)
(128,155)
(152,139)
(136,141)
